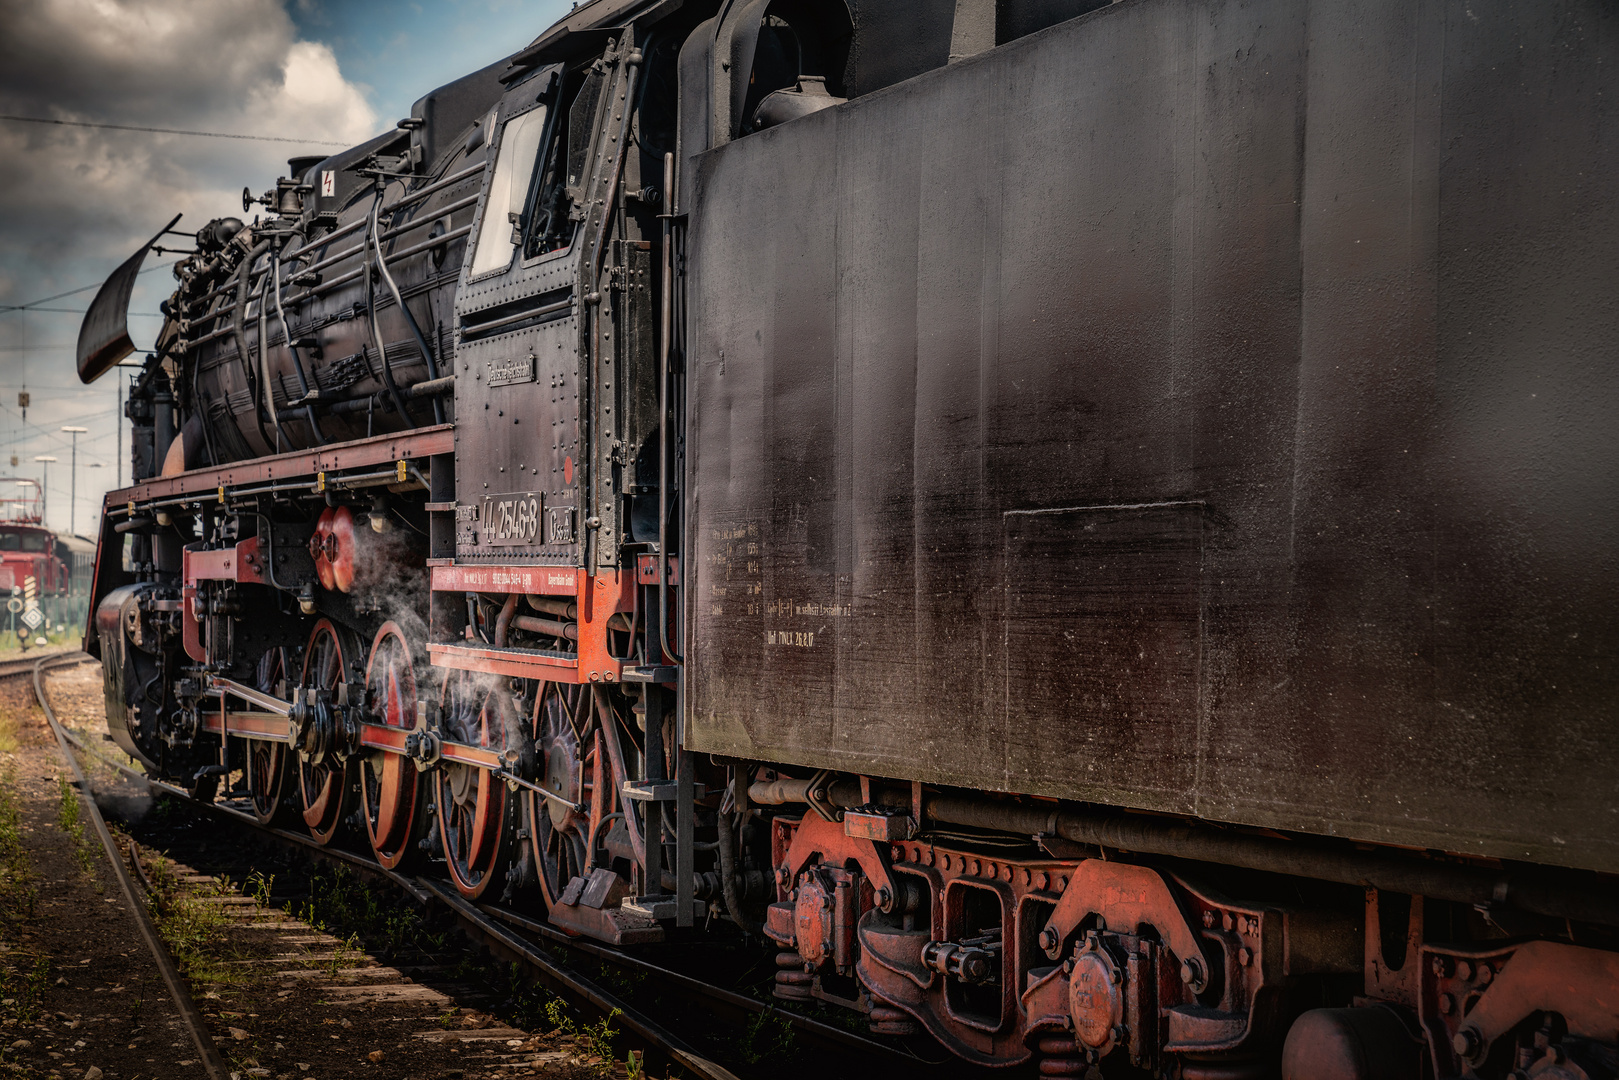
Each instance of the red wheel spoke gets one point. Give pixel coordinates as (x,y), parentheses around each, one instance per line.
(390,789)
(323,790)
(474,826)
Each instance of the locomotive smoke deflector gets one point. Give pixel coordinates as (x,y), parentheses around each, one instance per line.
(104,335)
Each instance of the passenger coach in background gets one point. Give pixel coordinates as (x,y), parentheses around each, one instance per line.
(1090,532)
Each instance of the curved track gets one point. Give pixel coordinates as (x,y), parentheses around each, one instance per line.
(211,1060)
(498,929)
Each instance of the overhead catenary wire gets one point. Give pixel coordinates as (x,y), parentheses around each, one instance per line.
(167,131)
(77,311)
(32,305)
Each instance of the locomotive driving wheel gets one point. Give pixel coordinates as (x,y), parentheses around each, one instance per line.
(389,783)
(471,802)
(266,764)
(571,763)
(323,787)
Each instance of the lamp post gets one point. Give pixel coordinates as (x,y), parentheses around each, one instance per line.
(73,483)
(97,530)
(45,489)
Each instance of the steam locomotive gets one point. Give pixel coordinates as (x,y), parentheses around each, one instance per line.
(1087,530)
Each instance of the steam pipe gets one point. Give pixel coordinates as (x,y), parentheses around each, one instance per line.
(548,627)
(297,364)
(203,420)
(359,223)
(503,621)
(728,883)
(238,321)
(163,432)
(376,326)
(430,387)
(365,243)
(381,398)
(554,605)
(416,331)
(264,363)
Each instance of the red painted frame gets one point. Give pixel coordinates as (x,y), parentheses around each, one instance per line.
(241,563)
(377,450)
(599,596)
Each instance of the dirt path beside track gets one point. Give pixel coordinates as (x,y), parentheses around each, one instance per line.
(281,996)
(79,997)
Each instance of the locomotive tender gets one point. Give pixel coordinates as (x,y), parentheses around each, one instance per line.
(1089,529)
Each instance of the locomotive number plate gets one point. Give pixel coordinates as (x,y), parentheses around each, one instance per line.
(510,372)
(511,520)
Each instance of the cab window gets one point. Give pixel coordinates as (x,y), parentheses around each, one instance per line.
(558,185)
(498,233)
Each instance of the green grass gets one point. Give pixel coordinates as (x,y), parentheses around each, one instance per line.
(260,886)
(56,641)
(68,808)
(23,979)
(371,916)
(189,925)
(769,1036)
(18,892)
(24,972)
(595,1041)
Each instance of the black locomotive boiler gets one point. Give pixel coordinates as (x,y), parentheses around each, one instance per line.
(1088,531)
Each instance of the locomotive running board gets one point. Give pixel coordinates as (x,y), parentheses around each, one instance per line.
(294,466)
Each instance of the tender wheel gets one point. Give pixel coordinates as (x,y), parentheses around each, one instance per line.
(472,806)
(569,749)
(266,763)
(389,783)
(323,789)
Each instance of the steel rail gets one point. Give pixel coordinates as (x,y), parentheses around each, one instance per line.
(419,889)
(424,891)
(211,1059)
(231,813)
(739,1002)
(484,920)
(12,668)
(496,935)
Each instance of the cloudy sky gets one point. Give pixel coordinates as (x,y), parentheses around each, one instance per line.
(76,201)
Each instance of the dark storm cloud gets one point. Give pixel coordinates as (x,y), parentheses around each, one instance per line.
(77,198)
(74,202)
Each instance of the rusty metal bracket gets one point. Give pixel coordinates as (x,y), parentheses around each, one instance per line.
(1128,897)
(827,839)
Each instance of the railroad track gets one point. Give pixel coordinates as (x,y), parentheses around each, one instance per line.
(12,669)
(515,937)
(212,1062)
